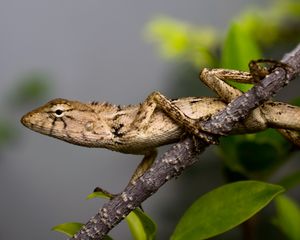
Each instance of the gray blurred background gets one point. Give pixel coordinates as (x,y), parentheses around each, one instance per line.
(88,50)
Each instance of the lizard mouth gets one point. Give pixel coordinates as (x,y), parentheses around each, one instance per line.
(25,121)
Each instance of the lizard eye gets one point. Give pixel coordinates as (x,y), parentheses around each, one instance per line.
(58,113)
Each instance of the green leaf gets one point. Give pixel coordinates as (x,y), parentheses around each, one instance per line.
(238,50)
(288,217)
(69,228)
(141,226)
(99,193)
(72,228)
(224,208)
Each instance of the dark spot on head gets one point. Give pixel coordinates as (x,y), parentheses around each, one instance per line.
(53,125)
(64,122)
(116,130)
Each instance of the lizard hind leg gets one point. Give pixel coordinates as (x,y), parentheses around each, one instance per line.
(216,79)
(144,165)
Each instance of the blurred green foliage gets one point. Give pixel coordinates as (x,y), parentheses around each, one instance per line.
(7,132)
(253,156)
(181,40)
(270,27)
(291,180)
(239,46)
(30,87)
(288,217)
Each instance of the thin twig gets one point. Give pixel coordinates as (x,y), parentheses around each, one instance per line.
(184,153)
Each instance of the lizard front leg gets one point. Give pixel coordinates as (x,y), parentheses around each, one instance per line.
(144,165)
(157,100)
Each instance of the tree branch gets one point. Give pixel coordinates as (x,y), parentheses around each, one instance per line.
(183,154)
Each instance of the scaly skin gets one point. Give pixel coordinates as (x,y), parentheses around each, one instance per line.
(102,125)
(140,129)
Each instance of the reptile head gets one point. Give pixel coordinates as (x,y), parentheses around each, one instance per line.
(71,121)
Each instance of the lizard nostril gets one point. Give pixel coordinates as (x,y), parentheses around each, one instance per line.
(24,120)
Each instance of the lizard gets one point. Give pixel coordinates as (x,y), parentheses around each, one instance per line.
(142,128)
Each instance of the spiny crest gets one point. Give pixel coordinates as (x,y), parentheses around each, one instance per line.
(110,106)
(93,103)
(96,103)
(104,106)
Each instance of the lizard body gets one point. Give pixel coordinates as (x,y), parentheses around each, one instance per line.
(105,125)
(140,129)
